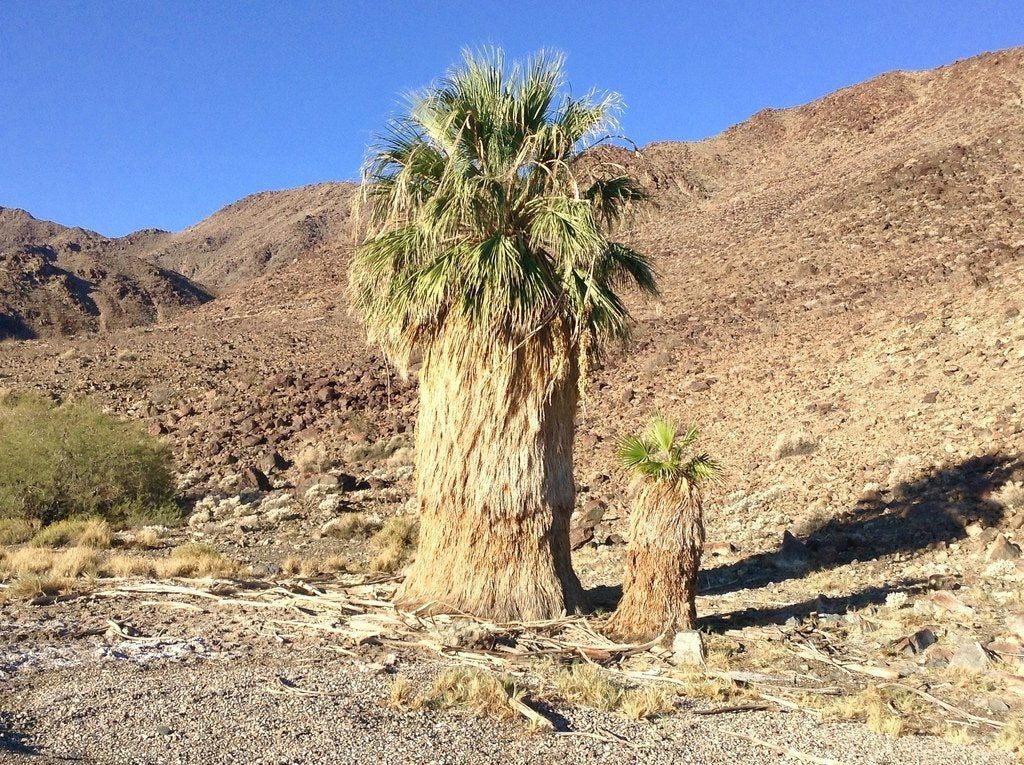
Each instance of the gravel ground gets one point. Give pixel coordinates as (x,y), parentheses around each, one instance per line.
(119,704)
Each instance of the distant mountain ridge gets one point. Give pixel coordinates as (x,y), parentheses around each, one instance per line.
(908,176)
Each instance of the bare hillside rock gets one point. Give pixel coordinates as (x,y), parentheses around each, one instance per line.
(58,281)
(258,234)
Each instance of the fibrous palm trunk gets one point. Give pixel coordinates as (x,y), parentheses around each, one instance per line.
(494,479)
(666,538)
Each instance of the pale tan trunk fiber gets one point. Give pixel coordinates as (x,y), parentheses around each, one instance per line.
(494,479)
(666,538)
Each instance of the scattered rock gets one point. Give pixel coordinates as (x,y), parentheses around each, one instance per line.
(254,478)
(1015,624)
(688,649)
(971,657)
(1002,549)
(792,555)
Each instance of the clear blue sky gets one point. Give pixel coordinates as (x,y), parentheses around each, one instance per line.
(122,115)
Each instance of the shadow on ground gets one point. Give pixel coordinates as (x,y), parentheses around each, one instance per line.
(915,515)
(12,742)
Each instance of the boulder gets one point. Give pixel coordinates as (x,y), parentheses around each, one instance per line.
(971,657)
(688,649)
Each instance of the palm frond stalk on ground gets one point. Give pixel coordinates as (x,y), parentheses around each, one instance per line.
(488,256)
(666,532)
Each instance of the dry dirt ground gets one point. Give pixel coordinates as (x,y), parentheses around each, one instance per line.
(842,315)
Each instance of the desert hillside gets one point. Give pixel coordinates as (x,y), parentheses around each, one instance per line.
(56,280)
(841,313)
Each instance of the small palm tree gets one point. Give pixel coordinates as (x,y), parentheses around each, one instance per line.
(666,535)
(489,255)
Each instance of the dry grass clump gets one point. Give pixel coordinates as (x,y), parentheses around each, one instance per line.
(130,565)
(76,562)
(295,565)
(79,532)
(378,450)
(14,531)
(793,445)
(641,703)
(196,560)
(889,711)
(587,685)
(467,689)
(148,538)
(396,542)
(958,734)
(1011,738)
(27,560)
(28,586)
(352,526)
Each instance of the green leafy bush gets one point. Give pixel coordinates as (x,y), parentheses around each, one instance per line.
(58,462)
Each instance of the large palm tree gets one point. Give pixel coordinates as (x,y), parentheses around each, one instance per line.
(488,257)
(666,532)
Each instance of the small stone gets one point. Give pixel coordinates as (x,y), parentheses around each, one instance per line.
(971,657)
(254,478)
(1015,624)
(688,649)
(930,398)
(1002,549)
(593,511)
(792,555)
(249,522)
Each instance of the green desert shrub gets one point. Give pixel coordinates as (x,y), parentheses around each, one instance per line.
(74,460)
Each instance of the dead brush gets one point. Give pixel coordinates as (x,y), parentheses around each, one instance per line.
(395,542)
(28,586)
(197,560)
(468,689)
(14,531)
(78,532)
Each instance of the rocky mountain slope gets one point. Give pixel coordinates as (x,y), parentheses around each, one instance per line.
(258,234)
(819,266)
(60,281)
(56,280)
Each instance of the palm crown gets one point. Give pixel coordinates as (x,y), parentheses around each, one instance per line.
(662,454)
(482,217)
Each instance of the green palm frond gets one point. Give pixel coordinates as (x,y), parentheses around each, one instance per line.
(479,212)
(663,455)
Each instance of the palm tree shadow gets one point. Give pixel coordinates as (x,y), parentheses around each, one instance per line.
(917,514)
(11,741)
(823,605)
